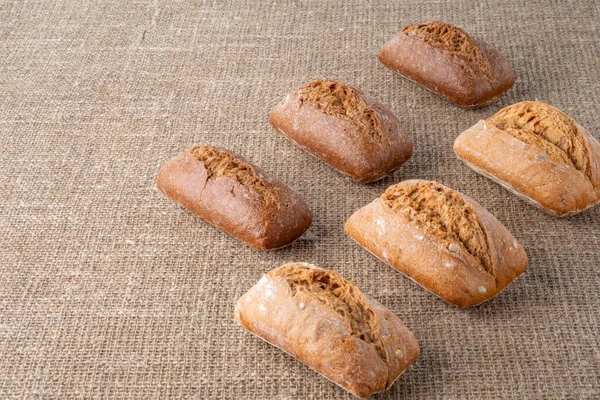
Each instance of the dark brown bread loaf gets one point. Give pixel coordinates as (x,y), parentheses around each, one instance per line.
(447,61)
(235,196)
(336,123)
(326,322)
(442,239)
(537,152)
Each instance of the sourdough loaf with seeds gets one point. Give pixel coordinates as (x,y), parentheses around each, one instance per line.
(448,61)
(441,239)
(537,152)
(327,323)
(235,196)
(338,124)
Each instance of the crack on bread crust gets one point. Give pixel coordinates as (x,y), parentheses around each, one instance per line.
(221,163)
(547,128)
(443,213)
(450,38)
(338,294)
(343,101)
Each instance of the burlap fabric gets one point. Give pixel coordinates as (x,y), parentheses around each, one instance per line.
(109,290)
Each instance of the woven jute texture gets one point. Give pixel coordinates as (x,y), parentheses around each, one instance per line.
(110,290)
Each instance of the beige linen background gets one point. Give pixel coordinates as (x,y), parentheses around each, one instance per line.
(109,290)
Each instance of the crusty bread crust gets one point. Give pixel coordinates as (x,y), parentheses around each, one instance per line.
(361,152)
(455,276)
(454,76)
(312,331)
(553,186)
(237,198)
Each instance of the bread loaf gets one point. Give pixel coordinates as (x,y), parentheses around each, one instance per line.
(325,321)
(449,62)
(235,196)
(440,238)
(537,152)
(333,121)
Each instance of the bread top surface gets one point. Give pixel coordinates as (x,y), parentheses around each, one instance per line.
(454,40)
(352,133)
(442,239)
(443,214)
(340,295)
(549,129)
(220,163)
(326,322)
(340,100)
(235,196)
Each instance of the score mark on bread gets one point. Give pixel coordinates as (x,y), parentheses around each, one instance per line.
(342,101)
(547,128)
(453,39)
(340,295)
(221,163)
(443,214)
